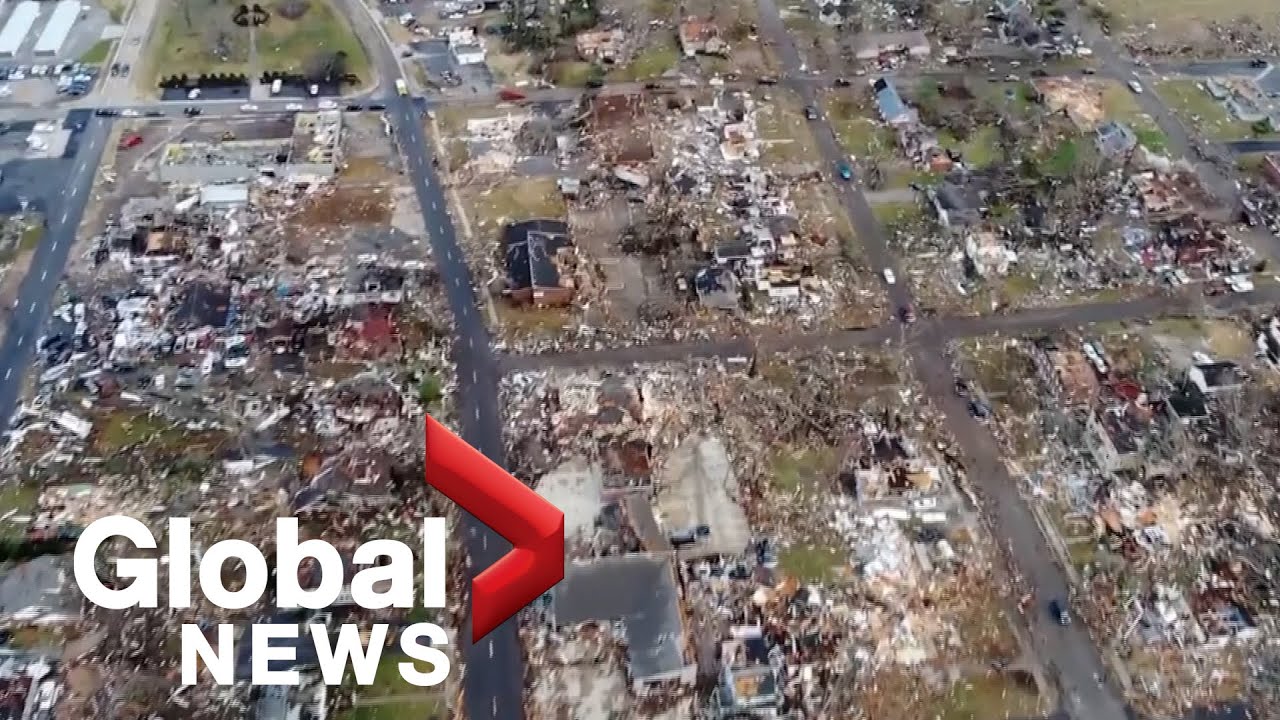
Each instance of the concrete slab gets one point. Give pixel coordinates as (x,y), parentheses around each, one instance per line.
(698,488)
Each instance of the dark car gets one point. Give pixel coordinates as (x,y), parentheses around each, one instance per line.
(907,314)
(354,107)
(1059,613)
(191,111)
(1039,72)
(843,82)
(105,112)
(1089,71)
(811,113)
(377,106)
(652,85)
(1258,63)
(154,113)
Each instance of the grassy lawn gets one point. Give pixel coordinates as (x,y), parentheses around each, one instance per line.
(785,132)
(527,199)
(857,132)
(811,563)
(986,698)
(1198,109)
(1012,98)
(979,150)
(894,214)
(121,429)
(798,469)
(652,62)
(531,321)
(403,710)
(1118,103)
(200,38)
(99,53)
(20,500)
(389,683)
(574,74)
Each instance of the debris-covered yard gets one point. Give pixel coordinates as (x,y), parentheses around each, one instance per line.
(1147,449)
(787,531)
(254,330)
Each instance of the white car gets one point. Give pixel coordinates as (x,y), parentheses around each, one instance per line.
(293,107)
(1240,283)
(1136,87)
(248,107)
(328,105)
(129,112)
(889,277)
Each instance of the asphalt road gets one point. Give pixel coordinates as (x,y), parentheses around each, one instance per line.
(25,319)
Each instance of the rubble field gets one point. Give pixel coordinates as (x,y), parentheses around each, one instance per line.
(255,330)
(805,548)
(654,214)
(1011,195)
(1145,449)
(1191,28)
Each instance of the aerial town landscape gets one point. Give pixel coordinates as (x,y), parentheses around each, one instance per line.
(906,359)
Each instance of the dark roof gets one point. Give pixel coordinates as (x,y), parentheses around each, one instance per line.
(530,248)
(204,305)
(638,590)
(1220,374)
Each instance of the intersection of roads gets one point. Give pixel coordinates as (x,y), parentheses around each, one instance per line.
(494,680)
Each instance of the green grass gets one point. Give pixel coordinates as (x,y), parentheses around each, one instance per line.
(575,74)
(21,500)
(528,199)
(785,133)
(980,149)
(406,710)
(389,683)
(653,62)
(894,214)
(182,47)
(811,563)
(795,470)
(988,698)
(99,53)
(1198,109)
(858,134)
(1151,139)
(121,429)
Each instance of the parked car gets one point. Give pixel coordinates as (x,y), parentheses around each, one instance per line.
(1258,63)
(1058,611)
(811,113)
(129,112)
(844,171)
(1136,87)
(843,82)
(907,314)
(889,277)
(191,111)
(248,107)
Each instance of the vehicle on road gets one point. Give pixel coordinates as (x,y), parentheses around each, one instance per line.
(402,87)
(843,82)
(328,105)
(155,113)
(767,80)
(1058,611)
(377,106)
(355,107)
(1240,283)
(248,107)
(511,95)
(293,107)
(1258,63)
(889,277)
(1089,71)
(811,113)
(191,111)
(130,140)
(907,314)
(129,112)
(104,112)
(1136,87)
(844,171)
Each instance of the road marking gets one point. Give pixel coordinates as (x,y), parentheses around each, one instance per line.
(7,373)
(74,190)
(477,413)
(490,649)
(475,376)
(32,309)
(434,206)
(65,213)
(21,339)
(44,275)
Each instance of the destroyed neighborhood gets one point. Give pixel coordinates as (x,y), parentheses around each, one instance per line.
(907,359)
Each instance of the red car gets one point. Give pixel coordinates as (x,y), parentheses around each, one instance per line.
(131,140)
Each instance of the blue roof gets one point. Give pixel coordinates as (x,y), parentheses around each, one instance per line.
(889,101)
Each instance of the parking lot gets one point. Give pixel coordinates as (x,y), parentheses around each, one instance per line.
(52,50)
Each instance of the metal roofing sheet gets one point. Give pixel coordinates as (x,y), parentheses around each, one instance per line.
(19,24)
(58,28)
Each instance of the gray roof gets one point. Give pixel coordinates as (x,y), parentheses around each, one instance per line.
(638,590)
